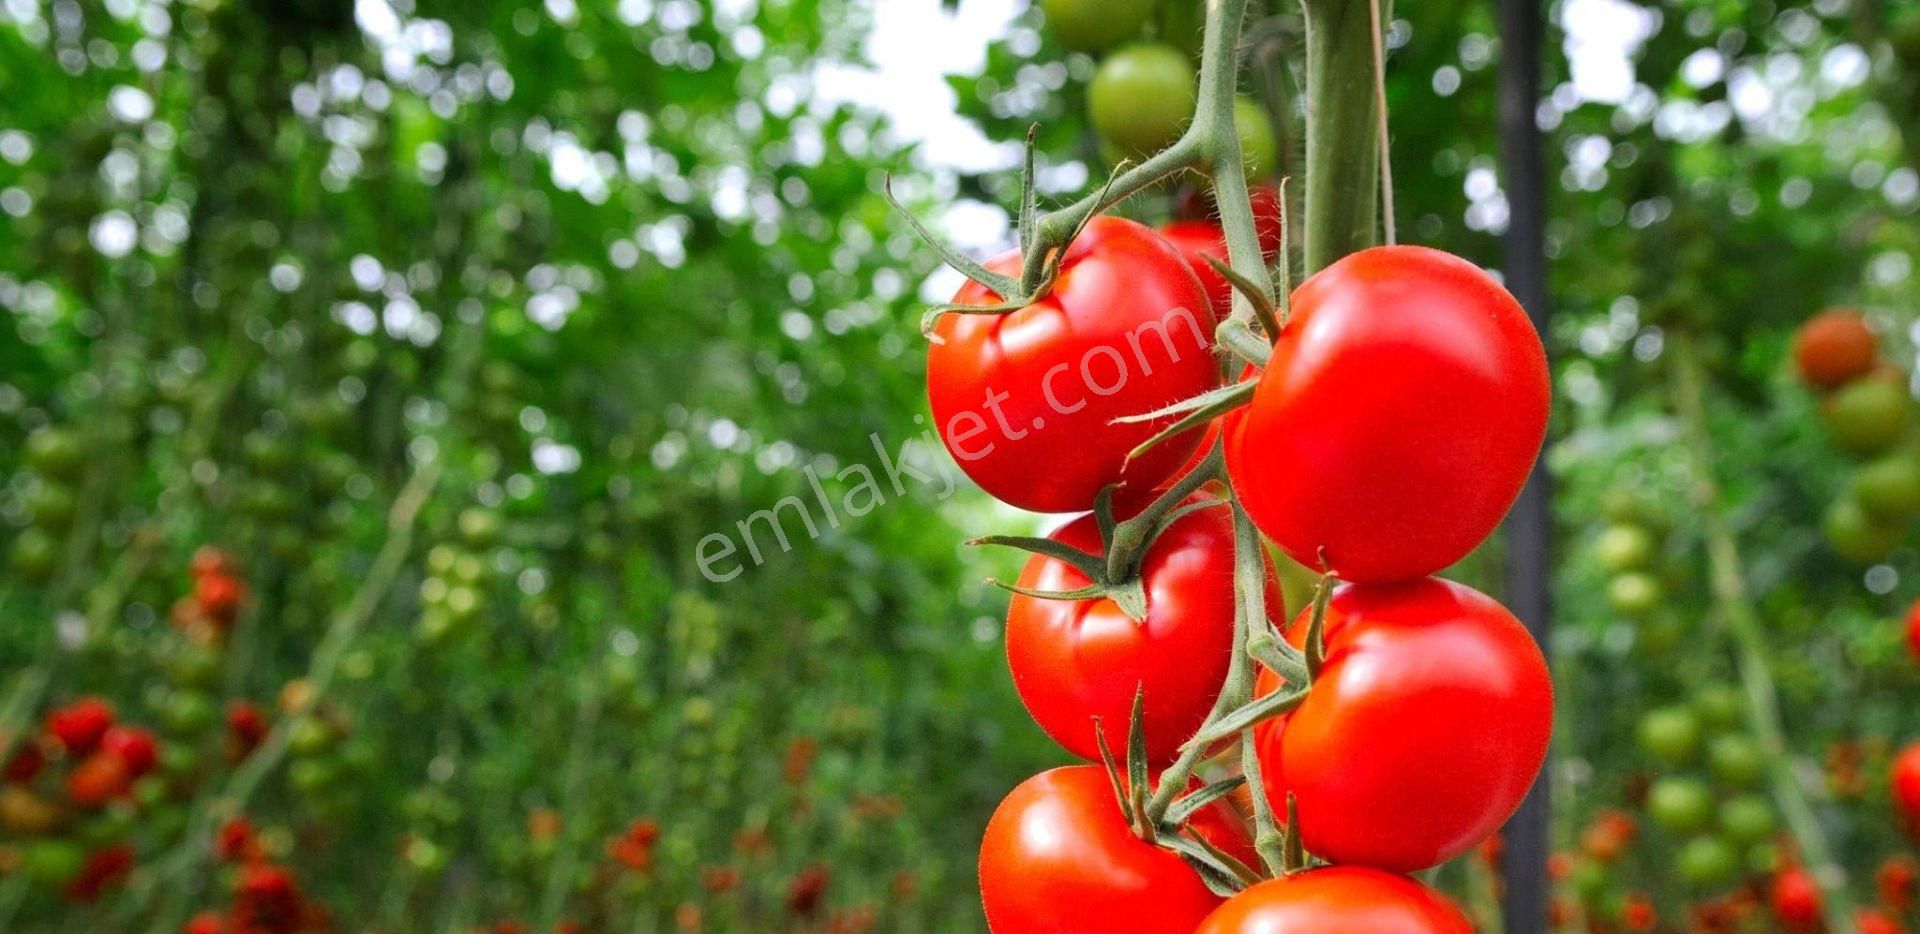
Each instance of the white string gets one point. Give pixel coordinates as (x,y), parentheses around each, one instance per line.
(1380,98)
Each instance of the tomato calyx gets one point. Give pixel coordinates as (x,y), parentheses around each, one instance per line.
(1293,668)
(1194,412)
(1223,873)
(1114,573)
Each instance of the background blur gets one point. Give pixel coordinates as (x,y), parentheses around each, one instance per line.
(457,325)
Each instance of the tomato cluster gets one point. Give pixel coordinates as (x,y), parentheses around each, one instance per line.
(1867,410)
(71,793)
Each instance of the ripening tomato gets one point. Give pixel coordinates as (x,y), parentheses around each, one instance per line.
(1058,855)
(1025,401)
(1398,418)
(1795,898)
(98,778)
(1913,630)
(1867,417)
(1073,660)
(1426,726)
(79,725)
(1834,348)
(1349,899)
(1906,785)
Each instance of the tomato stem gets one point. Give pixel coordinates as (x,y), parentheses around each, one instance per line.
(1342,158)
(1741,623)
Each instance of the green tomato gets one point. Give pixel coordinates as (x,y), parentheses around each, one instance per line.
(1889,488)
(308,737)
(52,504)
(1736,760)
(187,711)
(1681,805)
(1671,735)
(51,862)
(1854,535)
(1259,149)
(1720,706)
(1142,97)
(1747,818)
(1092,25)
(1867,416)
(1707,861)
(55,452)
(1624,547)
(1635,594)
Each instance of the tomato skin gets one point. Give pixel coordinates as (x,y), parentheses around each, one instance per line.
(1425,729)
(1906,786)
(1913,630)
(1141,97)
(1834,348)
(1063,368)
(1076,659)
(79,725)
(1348,899)
(134,747)
(1399,416)
(1197,240)
(1091,25)
(1795,898)
(1058,856)
(98,778)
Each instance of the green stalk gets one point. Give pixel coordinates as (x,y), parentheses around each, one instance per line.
(1342,143)
(1742,624)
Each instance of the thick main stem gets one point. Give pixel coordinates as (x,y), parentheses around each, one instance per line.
(1742,625)
(1342,142)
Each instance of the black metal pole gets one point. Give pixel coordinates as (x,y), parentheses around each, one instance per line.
(1523,868)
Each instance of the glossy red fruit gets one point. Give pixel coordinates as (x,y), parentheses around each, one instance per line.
(1398,418)
(1426,727)
(1059,856)
(1197,240)
(1875,921)
(1834,348)
(1347,899)
(1906,786)
(98,778)
(1073,660)
(1795,898)
(134,747)
(1197,204)
(79,725)
(1025,402)
(1913,631)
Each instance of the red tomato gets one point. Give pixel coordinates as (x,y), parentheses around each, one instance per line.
(1059,856)
(1073,660)
(1399,417)
(1348,899)
(1426,727)
(98,778)
(1197,240)
(102,869)
(1875,921)
(1895,881)
(206,922)
(1795,898)
(1913,630)
(1834,348)
(1025,401)
(1906,786)
(79,725)
(134,747)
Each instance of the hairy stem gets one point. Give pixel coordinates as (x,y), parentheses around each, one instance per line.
(1342,155)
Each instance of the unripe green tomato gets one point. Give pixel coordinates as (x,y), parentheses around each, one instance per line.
(469,569)
(1854,535)
(1747,819)
(425,856)
(1671,735)
(1092,25)
(1681,805)
(179,760)
(1626,506)
(1259,150)
(35,554)
(462,602)
(52,505)
(1707,861)
(1591,881)
(187,711)
(51,862)
(1142,97)
(1736,760)
(55,452)
(308,737)
(1635,594)
(435,624)
(1623,547)
(1720,706)
(1888,488)
(1867,416)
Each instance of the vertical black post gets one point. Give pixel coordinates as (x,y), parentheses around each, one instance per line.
(1530,526)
